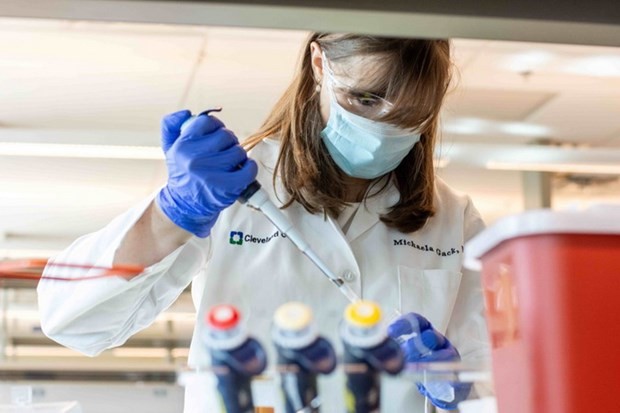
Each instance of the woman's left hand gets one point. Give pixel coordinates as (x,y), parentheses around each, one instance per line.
(421,343)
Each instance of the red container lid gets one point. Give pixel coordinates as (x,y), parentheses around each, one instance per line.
(601,220)
(223,317)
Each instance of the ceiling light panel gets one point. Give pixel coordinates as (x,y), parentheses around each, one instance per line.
(599,66)
(483,127)
(58,150)
(528,60)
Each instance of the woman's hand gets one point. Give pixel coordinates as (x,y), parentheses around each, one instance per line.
(421,343)
(207,171)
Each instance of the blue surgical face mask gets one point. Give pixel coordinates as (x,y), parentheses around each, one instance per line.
(364,148)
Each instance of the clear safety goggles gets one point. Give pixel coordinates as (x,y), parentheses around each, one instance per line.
(353,100)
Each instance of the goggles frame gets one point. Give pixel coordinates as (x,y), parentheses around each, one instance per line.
(352,99)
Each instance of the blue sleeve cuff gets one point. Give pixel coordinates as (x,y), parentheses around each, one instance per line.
(461,392)
(199,226)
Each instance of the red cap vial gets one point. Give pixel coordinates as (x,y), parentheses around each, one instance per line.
(223,317)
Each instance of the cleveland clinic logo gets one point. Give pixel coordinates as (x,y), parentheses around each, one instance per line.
(236,237)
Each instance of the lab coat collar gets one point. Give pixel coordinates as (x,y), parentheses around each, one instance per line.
(370,210)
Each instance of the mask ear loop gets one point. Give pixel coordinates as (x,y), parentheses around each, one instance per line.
(317,87)
(328,73)
(328,77)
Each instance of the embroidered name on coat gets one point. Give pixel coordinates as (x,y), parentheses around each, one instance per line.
(439,251)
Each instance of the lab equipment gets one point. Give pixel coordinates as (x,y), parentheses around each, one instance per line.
(207,171)
(40,268)
(235,358)
(21,402)
(550,282)
(267,386)
(368,352)
(59,407)
(420,342)
(302,355)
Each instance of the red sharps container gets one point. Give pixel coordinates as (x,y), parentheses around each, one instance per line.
(551,284)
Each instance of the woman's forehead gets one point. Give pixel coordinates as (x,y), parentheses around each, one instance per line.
(364,72)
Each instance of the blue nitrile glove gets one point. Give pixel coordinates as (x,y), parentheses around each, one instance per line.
(421,343)
(207,171)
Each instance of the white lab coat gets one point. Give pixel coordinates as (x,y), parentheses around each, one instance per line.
(419,272)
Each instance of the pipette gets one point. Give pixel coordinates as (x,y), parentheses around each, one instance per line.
(255,197)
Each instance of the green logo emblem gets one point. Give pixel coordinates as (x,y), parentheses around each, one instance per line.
(236,237)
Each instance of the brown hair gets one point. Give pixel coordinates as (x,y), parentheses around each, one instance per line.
(418,75)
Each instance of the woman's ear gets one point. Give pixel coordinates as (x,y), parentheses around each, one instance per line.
(316,60)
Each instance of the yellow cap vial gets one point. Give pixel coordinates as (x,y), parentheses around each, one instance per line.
(365,314)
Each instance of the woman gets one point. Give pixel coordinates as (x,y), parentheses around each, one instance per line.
(347,153)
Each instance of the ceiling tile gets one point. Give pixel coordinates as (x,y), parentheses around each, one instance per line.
(581,117)
(539,67)
(245,73)
(512,105)
(108,77)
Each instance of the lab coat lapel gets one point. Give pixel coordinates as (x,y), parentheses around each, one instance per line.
(369,212)
(326,238)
